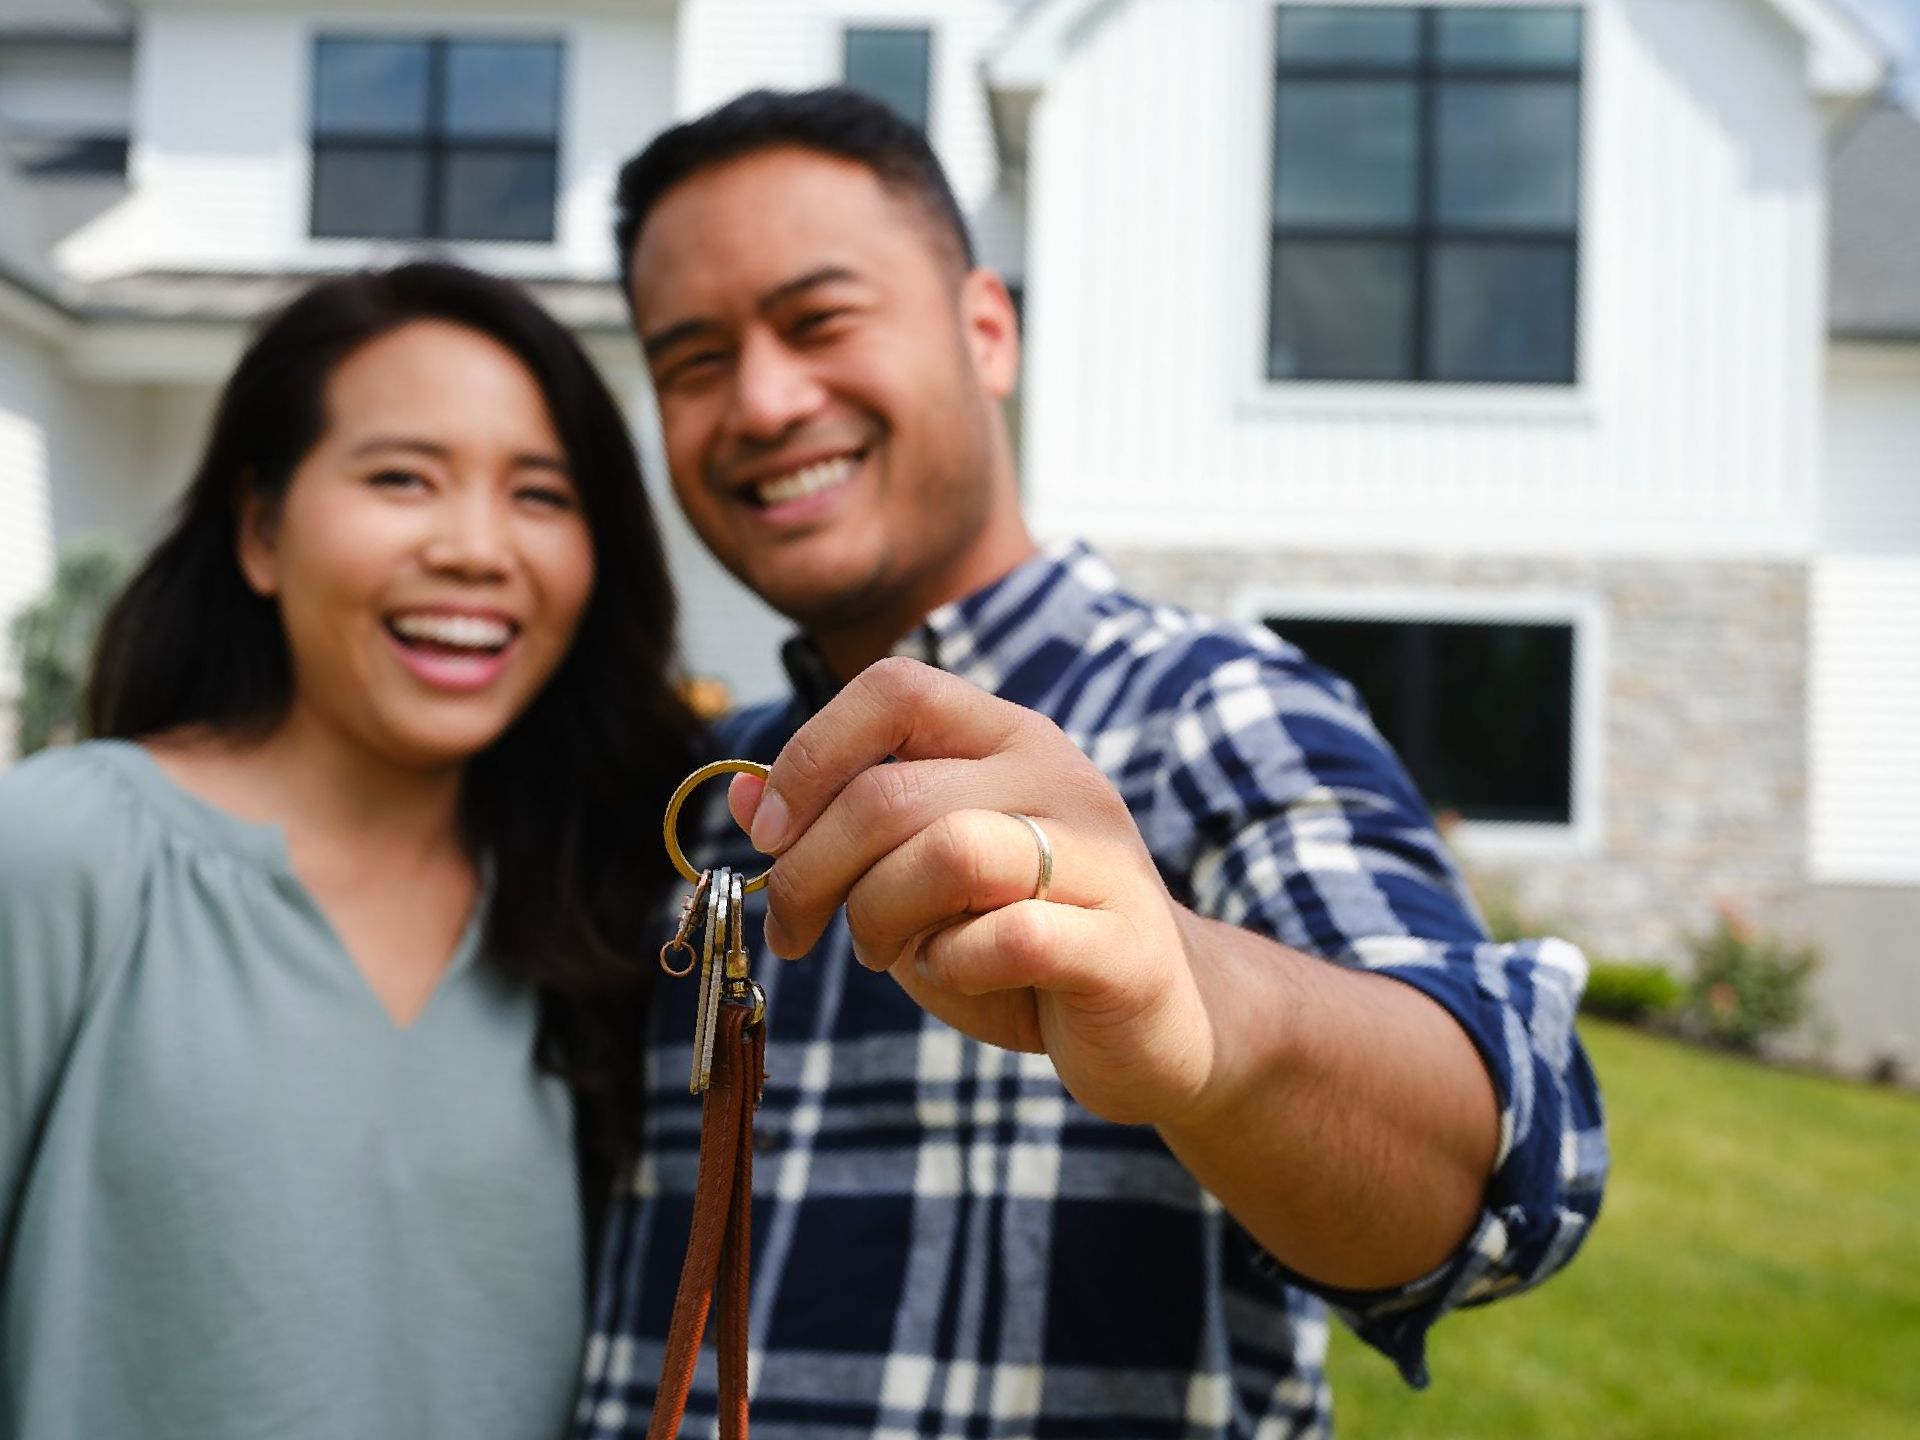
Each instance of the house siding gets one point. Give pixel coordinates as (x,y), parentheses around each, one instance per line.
(1693,429)
(27,382)
(729,46)
(1870,499)
(1864,711)
(1864,702)
(220,172)
(1703,751)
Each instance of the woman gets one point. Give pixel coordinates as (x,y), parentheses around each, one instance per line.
(392,726)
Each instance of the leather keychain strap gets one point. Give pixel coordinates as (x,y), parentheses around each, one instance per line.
(719,1243)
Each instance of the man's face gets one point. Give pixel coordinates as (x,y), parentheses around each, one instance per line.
(827,379)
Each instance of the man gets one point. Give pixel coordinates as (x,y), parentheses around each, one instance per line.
(1091,1159)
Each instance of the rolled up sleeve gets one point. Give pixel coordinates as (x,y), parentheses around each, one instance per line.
(1306,828)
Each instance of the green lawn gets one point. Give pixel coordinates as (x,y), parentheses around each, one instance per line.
(1755,1273)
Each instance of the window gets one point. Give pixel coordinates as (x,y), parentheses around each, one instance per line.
(1425,194)
(435,139)
(67,156)
(1482,713)
(892,66)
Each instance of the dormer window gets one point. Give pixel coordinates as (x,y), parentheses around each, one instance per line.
(894,65)
(435,138)
(1425,221)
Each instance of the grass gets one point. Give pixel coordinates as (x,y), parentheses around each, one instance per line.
(1755,1272)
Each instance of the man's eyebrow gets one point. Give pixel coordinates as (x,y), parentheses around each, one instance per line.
(683,330)
(676,334)
(825,275)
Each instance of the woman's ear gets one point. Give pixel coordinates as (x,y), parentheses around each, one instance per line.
(255,548)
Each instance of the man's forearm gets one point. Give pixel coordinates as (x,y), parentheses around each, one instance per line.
(1351,1126)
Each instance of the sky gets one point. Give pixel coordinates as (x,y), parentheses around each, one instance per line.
(1897,23)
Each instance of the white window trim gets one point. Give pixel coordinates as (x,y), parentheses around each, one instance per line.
(1400,399)
(1585,834)
(517,258)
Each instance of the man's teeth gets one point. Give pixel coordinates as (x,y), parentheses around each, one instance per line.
(459,632)
(810,481)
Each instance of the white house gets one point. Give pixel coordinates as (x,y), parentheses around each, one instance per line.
(1486,346)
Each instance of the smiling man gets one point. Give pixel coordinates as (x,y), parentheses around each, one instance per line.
(1185,1026)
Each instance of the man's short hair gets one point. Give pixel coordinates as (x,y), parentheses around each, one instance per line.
(834,121)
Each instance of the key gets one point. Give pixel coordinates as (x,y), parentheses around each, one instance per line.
(737,944)
(689,909)
(712,978)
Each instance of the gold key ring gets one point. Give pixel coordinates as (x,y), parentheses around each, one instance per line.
(687,787)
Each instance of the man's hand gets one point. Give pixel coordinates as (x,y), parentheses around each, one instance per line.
(1344,1118)
(938,879)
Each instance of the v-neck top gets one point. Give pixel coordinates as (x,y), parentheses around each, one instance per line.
(236,1198)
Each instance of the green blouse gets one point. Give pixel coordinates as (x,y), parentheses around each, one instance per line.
(235,1198)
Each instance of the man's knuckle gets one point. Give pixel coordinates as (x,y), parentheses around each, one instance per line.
(1088,788)
(862,916)
(1028,933)
(961,841)
(888,796)
(896,677)
(947,841)
(784,892)
(801,763)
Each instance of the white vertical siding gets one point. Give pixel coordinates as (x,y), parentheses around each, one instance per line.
(220,171)
(728,46)
(64,450)
(66,89)
(26,502)
(1694,426)
(726,632)
(1871,496)
(1864,720)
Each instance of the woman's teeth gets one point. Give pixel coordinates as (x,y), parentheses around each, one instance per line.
(809,481)
(455,632)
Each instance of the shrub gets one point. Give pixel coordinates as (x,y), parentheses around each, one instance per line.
(1630,991)
(53,642)
(1748,986)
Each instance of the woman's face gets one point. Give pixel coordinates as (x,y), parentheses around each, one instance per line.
(430,557)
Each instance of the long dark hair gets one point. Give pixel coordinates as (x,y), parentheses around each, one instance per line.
(564,803)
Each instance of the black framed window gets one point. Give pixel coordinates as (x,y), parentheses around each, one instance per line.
(67,156)
(1425,217)
(434,138)
(1481,712)
(892,65)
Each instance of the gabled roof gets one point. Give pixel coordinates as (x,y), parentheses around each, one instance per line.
(227,297)
(1843,60)
(64,20)
(1874,283)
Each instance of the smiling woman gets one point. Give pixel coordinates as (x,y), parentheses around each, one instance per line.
(295,959)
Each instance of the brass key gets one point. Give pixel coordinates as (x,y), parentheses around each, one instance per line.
(712,977)
(716,909)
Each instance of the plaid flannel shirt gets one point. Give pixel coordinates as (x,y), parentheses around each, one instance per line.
(945,1242)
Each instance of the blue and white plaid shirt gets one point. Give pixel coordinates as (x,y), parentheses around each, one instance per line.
(945,1243)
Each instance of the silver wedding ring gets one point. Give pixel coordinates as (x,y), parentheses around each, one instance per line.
(1045,881)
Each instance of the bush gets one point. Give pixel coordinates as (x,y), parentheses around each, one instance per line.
(1629,991)
(53,642)
(1748,986)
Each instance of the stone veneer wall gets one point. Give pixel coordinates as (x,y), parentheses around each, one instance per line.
(1704,787)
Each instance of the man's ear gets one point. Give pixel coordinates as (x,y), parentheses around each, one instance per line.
(255,545)
(992,330)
